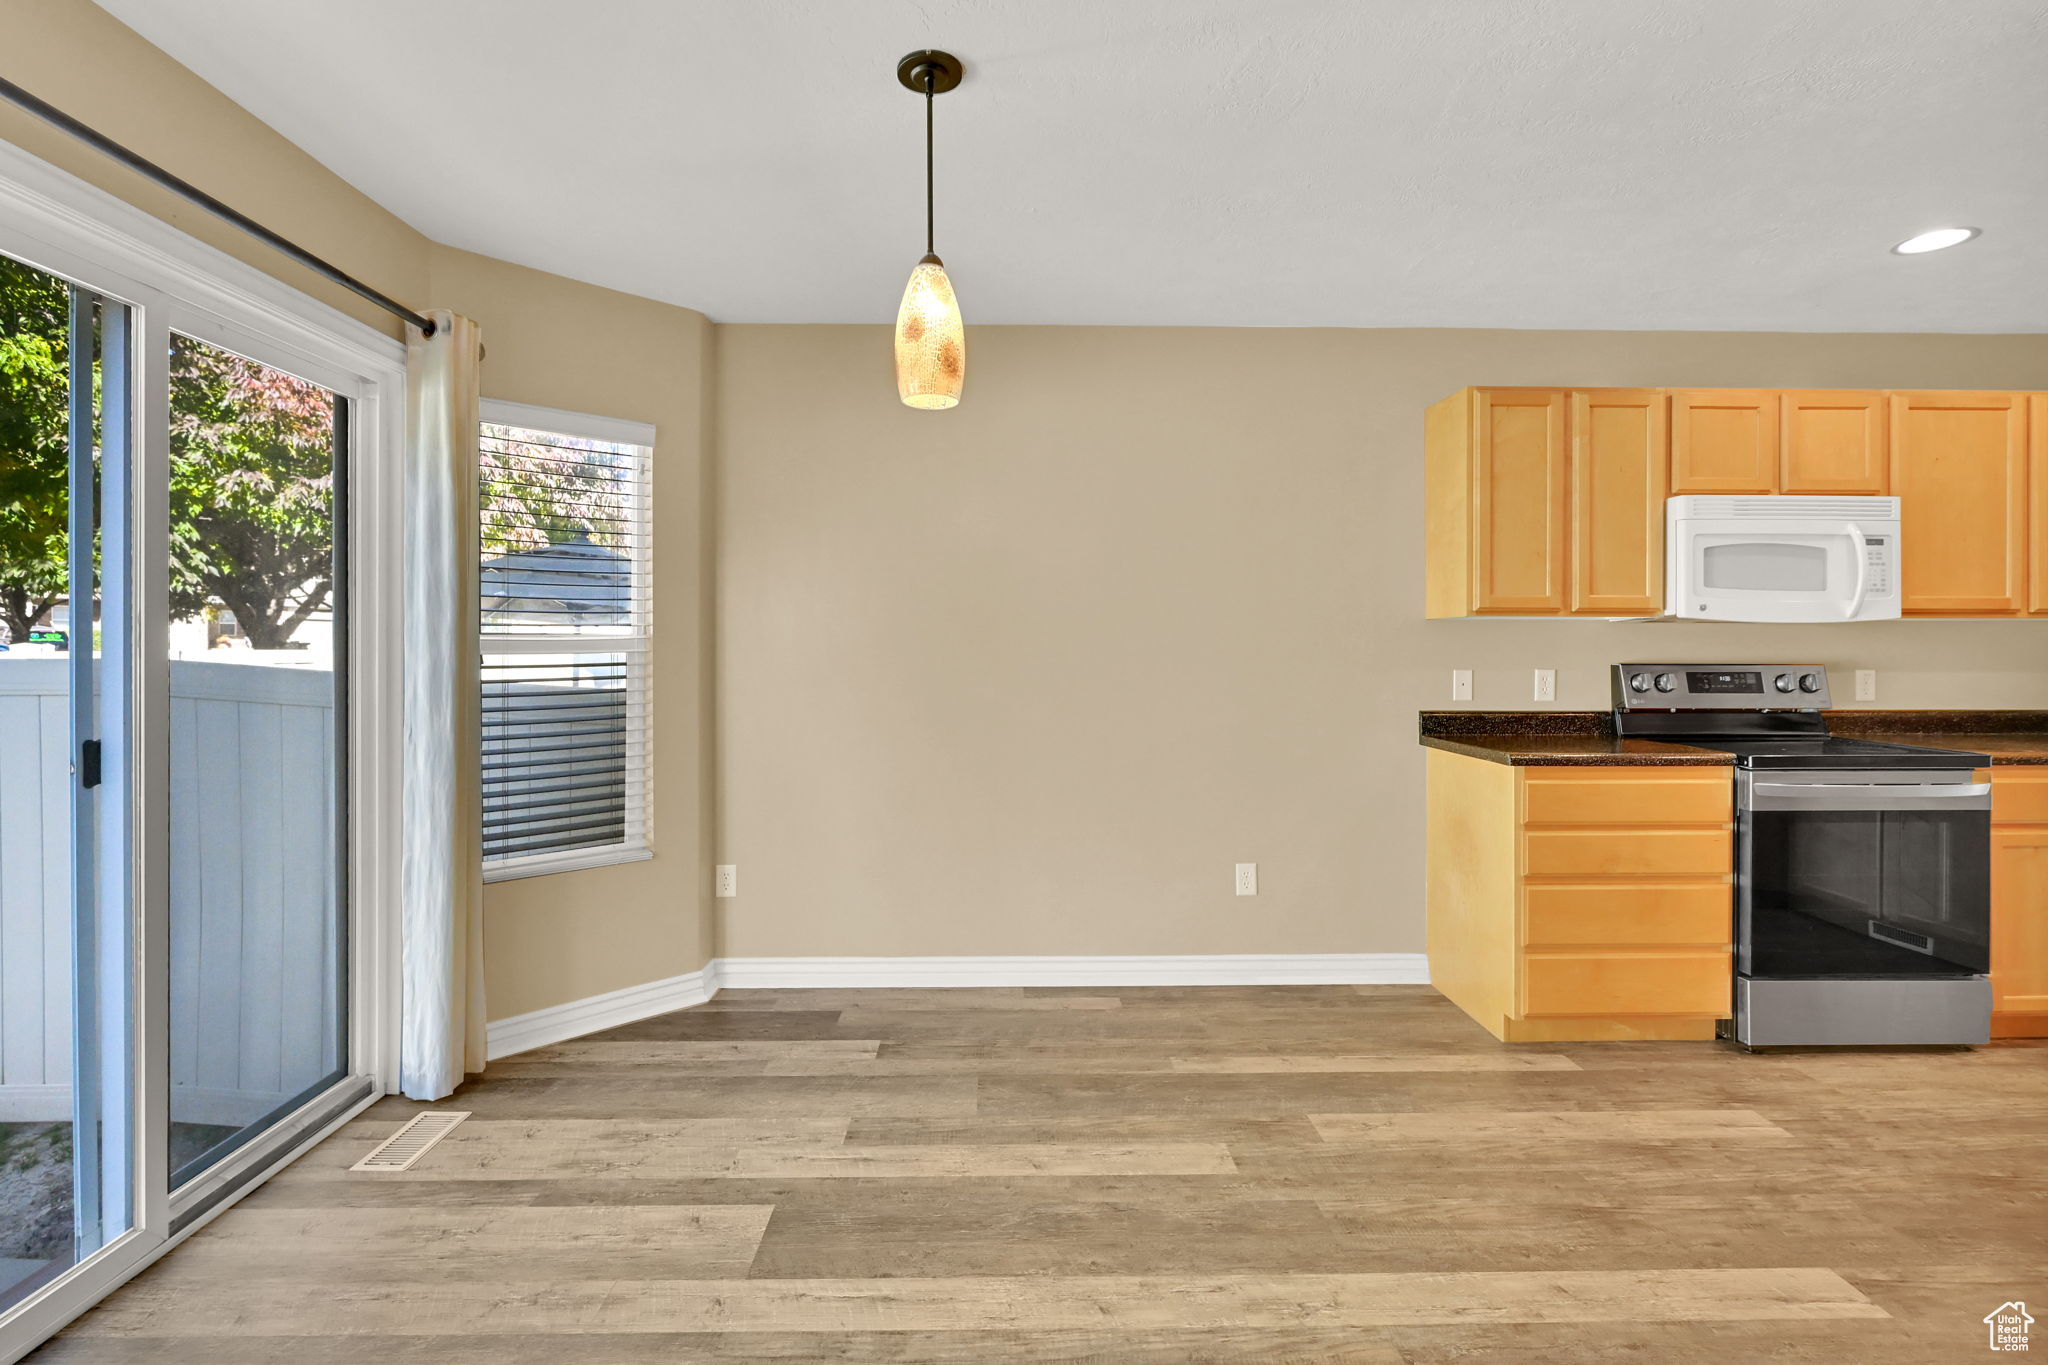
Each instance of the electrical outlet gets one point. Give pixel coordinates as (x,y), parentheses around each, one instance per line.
(728,880)
(1247,879)
(1866,684)
(1461,684)
(1546,684)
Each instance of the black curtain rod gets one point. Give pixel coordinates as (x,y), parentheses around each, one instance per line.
(186,190)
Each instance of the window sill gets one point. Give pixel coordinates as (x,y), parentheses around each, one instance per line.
(544,864)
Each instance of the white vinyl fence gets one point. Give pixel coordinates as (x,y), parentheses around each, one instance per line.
(254,936)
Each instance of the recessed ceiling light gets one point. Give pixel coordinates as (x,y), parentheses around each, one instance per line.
(1934,239)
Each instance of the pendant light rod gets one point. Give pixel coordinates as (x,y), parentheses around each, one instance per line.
(929,73)
(930,238)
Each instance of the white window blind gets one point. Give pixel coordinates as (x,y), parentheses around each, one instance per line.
(565,531)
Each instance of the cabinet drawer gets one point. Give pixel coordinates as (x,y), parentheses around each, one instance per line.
(1678,799)
(1627,852)
(1648,914)
(2018,797)
(1696,984)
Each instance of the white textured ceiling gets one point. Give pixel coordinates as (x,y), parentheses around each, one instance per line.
(1712,164)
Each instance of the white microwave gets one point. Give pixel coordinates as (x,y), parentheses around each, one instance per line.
(1781,558)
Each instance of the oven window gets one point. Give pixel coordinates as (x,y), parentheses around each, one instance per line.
(1766,566)
(1867,893)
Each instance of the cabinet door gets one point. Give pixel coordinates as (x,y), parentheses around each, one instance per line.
(1959,470)
(1621,457)
(2019,930)
(2037,536)
(1724,441)
(1832,441)
(1518,501)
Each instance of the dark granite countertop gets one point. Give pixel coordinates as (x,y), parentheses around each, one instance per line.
(1573,739)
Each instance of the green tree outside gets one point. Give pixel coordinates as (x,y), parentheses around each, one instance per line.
(252,492)
(252,475)
(35,497)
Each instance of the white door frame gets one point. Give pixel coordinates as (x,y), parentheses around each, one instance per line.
(59,223)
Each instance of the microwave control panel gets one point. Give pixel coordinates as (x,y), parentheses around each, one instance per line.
(1877,563)
(1721,687)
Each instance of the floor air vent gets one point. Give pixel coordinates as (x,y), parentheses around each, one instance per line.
(406,1146)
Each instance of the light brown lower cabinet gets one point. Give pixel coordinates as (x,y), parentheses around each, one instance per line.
(2019,901)
(1580,904)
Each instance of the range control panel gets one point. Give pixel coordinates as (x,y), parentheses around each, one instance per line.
(1720,687)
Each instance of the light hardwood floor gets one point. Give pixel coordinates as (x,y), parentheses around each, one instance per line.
(1354,1174)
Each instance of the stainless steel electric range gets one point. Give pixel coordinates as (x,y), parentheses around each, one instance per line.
(1862,869)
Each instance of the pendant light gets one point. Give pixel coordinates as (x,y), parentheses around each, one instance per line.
(931,344)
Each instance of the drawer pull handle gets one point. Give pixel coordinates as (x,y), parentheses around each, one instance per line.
(1919,943)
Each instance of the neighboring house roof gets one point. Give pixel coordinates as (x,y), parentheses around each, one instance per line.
(573,583)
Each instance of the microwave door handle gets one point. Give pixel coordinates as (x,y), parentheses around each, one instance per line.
(1862,552)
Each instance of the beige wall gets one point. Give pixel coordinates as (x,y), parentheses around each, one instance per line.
(561,344)
(550,341)
(1029,676)
(81,59)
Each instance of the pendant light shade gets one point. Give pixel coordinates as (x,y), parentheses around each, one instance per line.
(931,344)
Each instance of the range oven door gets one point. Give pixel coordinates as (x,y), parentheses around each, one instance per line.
(1851,873)
(1782,570)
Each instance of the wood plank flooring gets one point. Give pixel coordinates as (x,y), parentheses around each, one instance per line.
(1342,1174)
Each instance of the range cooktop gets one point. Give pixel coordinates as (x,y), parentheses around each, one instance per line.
(1828,751)
(1767,715)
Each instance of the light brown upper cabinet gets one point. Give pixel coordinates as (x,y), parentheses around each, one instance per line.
(1550,502)
(2037,552)
(1620,439)
(1959,469)
(1833,441)
(1761,441)
(1496,466)
(1724,441)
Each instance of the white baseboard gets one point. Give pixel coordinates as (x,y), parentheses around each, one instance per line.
(1177,969)
(558,1023)
(594,1013)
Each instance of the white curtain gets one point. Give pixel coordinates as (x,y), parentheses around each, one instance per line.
(442,935)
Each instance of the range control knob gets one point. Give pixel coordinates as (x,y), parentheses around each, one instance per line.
(1784,682)
(1667,682)
(1638,682)
(1809,682)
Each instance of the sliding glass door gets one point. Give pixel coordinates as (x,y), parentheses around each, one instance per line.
(199,747)
(66,980)
(257,642)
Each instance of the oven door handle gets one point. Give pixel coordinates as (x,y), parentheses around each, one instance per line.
(1862,553)
(1951,791)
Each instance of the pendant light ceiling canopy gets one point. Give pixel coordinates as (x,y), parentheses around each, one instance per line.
(931,344)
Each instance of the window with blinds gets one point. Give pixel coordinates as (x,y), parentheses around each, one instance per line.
(564,511)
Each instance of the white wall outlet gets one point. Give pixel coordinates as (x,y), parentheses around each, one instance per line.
(1866,684)
(1247,879)
(1546,684)
(728,880)
(1461,684)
